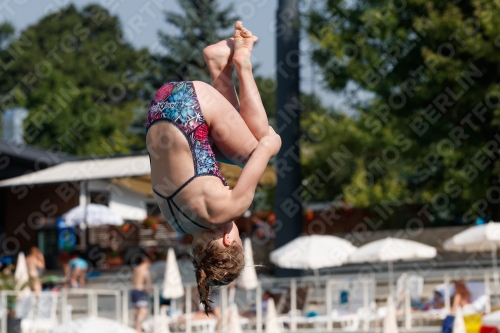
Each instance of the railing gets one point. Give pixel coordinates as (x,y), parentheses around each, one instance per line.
(324,294)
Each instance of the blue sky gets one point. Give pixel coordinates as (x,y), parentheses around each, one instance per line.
(143,19)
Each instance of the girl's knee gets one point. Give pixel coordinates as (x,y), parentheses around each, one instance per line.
(262,133)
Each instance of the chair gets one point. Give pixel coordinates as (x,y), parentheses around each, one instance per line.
(350,308)
(283,307)
(479,298)
(43,314)
(351,322)
(415,285)
(477,290)
(284,304)
(207,325)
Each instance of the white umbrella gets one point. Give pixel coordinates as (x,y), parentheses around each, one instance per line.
(92,325)
(248,277)
(234,320)
(272,324)
(313,252)
(390,321)
(172,283)
(22,277)
(480,238)
(392,249)
(458,322)
(92,215)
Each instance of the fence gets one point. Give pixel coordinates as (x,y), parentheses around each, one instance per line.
(294,299)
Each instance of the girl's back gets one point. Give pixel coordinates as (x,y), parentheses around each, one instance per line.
(181,156)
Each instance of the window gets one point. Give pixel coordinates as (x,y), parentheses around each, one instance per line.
(99,197)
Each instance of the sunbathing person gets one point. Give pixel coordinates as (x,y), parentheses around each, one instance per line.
(191,192)
(462,295)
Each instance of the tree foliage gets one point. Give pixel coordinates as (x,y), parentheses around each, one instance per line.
(200,24)
(430,134)
(77,76)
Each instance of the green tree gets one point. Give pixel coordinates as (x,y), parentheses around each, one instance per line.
(77,77)
(6,35)
(200,24)
(431,129)
(327,141)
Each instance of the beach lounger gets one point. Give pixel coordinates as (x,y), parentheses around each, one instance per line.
(479,301)
(353,306)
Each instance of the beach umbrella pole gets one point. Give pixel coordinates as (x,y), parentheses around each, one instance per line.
(488,292)
(495,272)
(156,301)
(293,305)
(316,275)
(258,302)
(124,306)
(188,309)
(447,296)
(391,278)
(87,231)
(366,304)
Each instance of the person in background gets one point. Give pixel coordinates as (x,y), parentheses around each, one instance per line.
(141,282)
(75,271)
(437,301)
(462,295)
(265,301)
(261,230)
(36,265)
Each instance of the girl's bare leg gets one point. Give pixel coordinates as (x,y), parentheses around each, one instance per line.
(251,107)
(220,64)
(219,61)
(230,133)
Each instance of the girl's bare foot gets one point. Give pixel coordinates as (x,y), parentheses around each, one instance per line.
(243,45)
(218,56)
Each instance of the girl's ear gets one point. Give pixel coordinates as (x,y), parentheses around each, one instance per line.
(226,239)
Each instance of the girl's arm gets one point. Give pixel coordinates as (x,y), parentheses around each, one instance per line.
(40,264)
(231,206)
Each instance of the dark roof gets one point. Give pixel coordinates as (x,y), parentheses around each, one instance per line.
(21,159)
(34,154)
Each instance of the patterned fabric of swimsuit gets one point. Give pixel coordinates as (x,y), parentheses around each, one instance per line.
(177,103)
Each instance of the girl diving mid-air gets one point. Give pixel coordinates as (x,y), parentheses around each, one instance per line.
(188,186)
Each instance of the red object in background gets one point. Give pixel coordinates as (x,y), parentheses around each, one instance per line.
(309,215)
(488,329)
(272,218)
(126,227)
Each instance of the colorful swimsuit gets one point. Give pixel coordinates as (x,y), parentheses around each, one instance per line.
(176,102)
